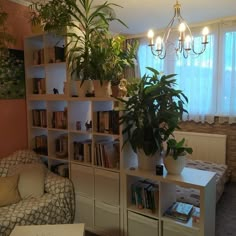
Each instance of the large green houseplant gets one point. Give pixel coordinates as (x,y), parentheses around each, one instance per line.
(84,24)
(152,112)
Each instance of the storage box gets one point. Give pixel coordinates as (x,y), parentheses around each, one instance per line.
(140,225)
(107,187)
(107,219)
(84,211)
(172,228)
(83,180)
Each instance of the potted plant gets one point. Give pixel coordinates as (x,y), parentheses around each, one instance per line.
(175,155)
(86,26)
(151,114)
(110,58)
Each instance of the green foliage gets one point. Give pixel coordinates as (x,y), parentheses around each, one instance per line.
(110,56)
(176,149)
(84,24)
(152,111)
(5,37)
(12,83)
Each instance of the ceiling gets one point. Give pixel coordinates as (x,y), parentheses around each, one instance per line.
(142,15)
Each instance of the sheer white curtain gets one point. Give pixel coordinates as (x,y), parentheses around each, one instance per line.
(196,77)
(227,74)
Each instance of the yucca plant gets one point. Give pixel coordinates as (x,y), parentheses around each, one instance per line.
(152,111)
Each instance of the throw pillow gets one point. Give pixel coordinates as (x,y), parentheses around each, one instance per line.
(9,191)
(31,179)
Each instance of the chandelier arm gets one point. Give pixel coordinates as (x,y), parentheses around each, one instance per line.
(161,54)
(202,50)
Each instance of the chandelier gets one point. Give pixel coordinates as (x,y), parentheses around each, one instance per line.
(184,44)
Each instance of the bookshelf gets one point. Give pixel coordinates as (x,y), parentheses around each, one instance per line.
(102,169)
(60,131)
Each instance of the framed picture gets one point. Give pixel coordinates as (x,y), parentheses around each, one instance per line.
(12,74)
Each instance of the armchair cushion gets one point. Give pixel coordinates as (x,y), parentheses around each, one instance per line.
(31,179)
(9,191)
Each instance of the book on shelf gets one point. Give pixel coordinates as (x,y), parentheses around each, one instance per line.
(180,211)
(106,121)
(39,85)
(145,194)
(61,146)
(196,215)
(83,150)
(106,153)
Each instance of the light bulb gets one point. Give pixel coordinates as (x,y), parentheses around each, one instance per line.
(182,27)
(150,36)
(187,42)
(158,43)
(205,32)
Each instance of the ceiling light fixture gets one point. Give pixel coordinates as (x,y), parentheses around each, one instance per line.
(184,44)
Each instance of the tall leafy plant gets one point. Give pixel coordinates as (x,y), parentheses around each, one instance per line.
(81,22)
(152,111)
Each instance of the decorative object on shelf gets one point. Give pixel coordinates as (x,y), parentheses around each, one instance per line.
(183,42)
(174,160)
(88,125)
(152,112)
(55,91)
(122,87)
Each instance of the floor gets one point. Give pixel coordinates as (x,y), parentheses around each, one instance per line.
(225,213)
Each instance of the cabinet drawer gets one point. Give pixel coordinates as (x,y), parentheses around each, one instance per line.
(139,225)
(107,187)
(83,180)
(174,229)
(84,212)
(107,219)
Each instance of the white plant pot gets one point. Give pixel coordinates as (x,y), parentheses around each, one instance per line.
(103,90)
(148,162)
(173,166)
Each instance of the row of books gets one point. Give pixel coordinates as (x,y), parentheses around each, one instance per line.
(39,117)
(61,146)
(83,151)
(145,194)
(39,85)
(182,211)
(40,144)
(107,153)
(106,121)
(59,119)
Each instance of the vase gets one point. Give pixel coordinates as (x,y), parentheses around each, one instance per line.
(103,90)
(146,162)
(173,166)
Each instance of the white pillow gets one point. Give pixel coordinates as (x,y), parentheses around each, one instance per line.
(31,179)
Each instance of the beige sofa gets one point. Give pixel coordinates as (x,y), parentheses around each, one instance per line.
(55,205)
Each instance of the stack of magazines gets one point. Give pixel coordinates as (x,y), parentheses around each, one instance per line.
(179,211)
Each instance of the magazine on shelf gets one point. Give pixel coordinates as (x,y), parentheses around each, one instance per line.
(179,211)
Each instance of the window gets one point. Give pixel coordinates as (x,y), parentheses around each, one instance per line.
(208,80)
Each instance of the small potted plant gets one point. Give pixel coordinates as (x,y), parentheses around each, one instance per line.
(151,114)
(176,152)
